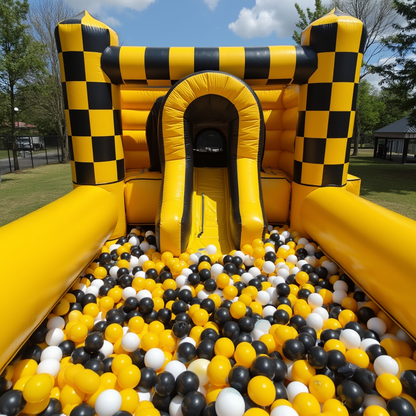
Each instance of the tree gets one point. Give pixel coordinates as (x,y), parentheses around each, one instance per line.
(306,18)
(43,17)
(21,57)
(400,75)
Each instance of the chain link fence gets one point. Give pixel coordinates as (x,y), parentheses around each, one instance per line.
(31,151)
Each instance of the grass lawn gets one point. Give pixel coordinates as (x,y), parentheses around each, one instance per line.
(391,185)
(30,189)
(388,184)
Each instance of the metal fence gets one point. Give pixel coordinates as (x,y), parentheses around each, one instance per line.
(31,151)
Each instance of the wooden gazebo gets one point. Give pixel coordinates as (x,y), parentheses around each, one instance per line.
(395,138)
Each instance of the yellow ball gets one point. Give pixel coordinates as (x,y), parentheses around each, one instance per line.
(200,317)
(358,357)
(78,332)
(388,386)
(224,346)
(238,309)
(87,381)
(129,376)
(222,280)
(254,411)
(302,371)
(119,362)
(37,388)
(261,390)
(375,410)
(245,354)
(113,332)
(218,370)
(322,387)
(306,404)
(336,407)
(149,340)
(129,400)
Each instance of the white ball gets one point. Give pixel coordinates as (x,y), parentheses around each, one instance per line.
(294,388)
(193,258)
(254,271)
(108,402)
(114,247)
(216,269)
(144,293)
(211,249)
(285,234)
(291,258)
(97,283)
(272,293)
(322,312)
(92,289)
(189,340)
(107,348)
(294,270)
(276,280)
(229,403)
(269,310)
(341,285)
(303,241)
(312,260)
(145,395)
(134,241)
(339,295)
(263,297)
(315,321)
(249,260)
(374,400)
(49,366)
(143,259)
(144,246)
(130,342)
(284,410)
(283,273)
(202,294)
(366,342)
(263,325)
(240,254)
(140,273)
(154,358)
(300,263)
(268,267)
(113,271)
(350,338)
(330,266)
(310,249)
(246,277)
(181,280)
(199,367)
(385,364)
(175,406)
(54,336)
(315,300)
(175,367)
(51,352)
(377,325)
(186,271)
(56,322)
(128,292)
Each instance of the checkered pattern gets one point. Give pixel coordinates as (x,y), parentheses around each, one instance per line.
(327,102)
(92,103)
(165,66)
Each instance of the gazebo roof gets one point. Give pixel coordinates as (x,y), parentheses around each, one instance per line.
(398,129)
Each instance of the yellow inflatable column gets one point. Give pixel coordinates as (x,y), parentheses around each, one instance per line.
(92,108)
(327,107)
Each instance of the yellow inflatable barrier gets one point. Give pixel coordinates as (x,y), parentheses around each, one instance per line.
(64,237)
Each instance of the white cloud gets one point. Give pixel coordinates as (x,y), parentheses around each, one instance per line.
(110,21)
(97,6)
(212,4)
(268,16)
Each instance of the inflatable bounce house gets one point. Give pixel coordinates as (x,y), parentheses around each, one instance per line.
(213,218)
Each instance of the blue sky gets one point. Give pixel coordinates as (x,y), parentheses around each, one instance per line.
(197,22)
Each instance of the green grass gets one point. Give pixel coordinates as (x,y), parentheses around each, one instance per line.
(30,189)
(391,185)
(388,184)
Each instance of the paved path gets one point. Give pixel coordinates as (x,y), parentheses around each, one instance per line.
(39,159)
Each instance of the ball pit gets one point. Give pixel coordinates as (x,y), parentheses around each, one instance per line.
(173,344)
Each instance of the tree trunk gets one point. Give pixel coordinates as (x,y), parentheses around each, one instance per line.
(63,138)
(14,141)
(356,134)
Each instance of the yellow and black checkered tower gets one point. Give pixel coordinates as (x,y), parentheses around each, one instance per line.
(327,107)
(92,108)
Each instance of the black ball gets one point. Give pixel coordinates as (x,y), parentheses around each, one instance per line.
(54,408)
(186,382)
(351,394)
(375,350)
(161,403)
(193,403)
(366,379)
(208,305)
(209,410)
(99,326)
(164,315)
(293,349)
(328,334)
(364,314)
(408,380)
(194,279)
(185,352)
(146,306)
(336,359)
(283,289)
(165,383)
(307,340)
(260,347)
(297,322)
(179,306)
(221,316)
(238,378)
(263,366)
(80,356)
(125,281)
(281,392)
(107,364)
(209,333)
(33,352)
(12,402)
(147,379)
(317,357)
(399,406)
(83,409)
(181,329)
(280,369)
(246,324)
(137,358)
(95,365)
(204,274)
(93,342)
(130,304)
(67,347)
(230,329)
(210,285)
(281,317)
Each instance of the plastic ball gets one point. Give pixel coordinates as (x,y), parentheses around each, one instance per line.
(322,387)
(87,381)
(377,325)
(37,388)
(306,404)
(261,390)
(388,386)
(399,406)
(193,404)
(294,388)
(224,400)
(130,342)
(385,364)
(129,376)
(284,410)
(238,378)
(83,409)
(334,406)
(154,358)
(351,394)
(49,366)
(165,383)
(186,382)
(302,371)
(199,367)
(108,402)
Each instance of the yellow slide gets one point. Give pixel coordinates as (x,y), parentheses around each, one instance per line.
(211,210)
